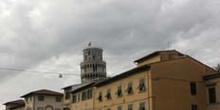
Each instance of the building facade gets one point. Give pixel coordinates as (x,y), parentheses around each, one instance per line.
(163,80)
(212,91)
(82,97)
(67,97)
(43,100)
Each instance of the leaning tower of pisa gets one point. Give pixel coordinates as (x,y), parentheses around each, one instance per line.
(92,67)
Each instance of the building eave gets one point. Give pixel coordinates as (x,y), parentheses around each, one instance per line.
(123,75)
(85,86)
(212,76)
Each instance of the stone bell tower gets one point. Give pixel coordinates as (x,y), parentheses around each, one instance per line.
(93,67)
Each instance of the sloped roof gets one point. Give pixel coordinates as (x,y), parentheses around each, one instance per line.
(83,86)
(123,75)
(43,92)
(155,53)
(72,86)
(15,102)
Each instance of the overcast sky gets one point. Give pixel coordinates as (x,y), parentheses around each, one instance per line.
(41,38)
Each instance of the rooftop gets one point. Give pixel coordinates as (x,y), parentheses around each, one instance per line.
(43,92)
(155,53)
(15,102)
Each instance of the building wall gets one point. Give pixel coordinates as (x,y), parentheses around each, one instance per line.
(14,107)
(80,104)
(29,103)
(160,57)
(125,99)
(19,108)
(171,84)
(67,97)
(151,60)
(49,103)
(216,84)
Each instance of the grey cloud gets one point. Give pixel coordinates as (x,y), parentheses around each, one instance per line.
(35,31)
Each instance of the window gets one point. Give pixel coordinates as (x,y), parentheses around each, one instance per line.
(84,95)
(100,96)
(119,91)
(142,85)
(108,94)
(40,108)
(93,57)
(142,106)
(193,88)
(194,107)
(212,95)
(74,98)
(40,98)
(67,95)
(58,99)
(130,107)
(66,108)
(94,67)
(85,57)
(129,88)
(89,94)
(119,107)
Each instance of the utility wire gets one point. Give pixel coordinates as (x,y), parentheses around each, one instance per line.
(61,74)
(35,71)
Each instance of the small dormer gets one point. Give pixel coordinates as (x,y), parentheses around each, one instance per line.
(159,56)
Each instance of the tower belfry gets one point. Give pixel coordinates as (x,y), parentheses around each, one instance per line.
(93,67)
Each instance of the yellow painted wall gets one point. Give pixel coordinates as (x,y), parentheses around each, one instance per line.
(171,84)
(160,57)
(115,101)
(153,59)
(82,104)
